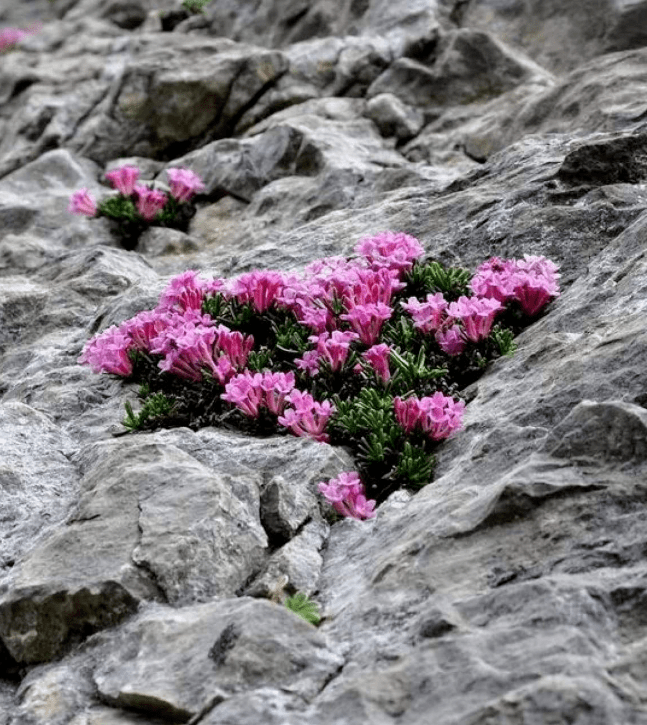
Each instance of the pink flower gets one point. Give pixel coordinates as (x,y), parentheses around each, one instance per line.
(367,320)
(145,327)
(308,417)
(261,288)
(347,496)
(532,294)
(184,292)
(149,202)
(124,179)
(108,352)
(309,363)
(532,281)
(393,250)
(477,315)
(494,279)
(82,203)
(188,351)
(10,37)
(427,316)
(184,183)
(407,413)
(366,286)
(234,345)
(438,416)
(378,357)
(276,386)
(441,415)
(245,392)
(451,341)
(334,347)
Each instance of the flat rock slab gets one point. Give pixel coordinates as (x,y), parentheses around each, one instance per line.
(176,662)
(152,522)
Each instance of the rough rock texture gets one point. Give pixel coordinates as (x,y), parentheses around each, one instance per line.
(139,575)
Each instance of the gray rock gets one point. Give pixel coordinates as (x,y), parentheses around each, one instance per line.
(211,652)
(511,589)
(393,118)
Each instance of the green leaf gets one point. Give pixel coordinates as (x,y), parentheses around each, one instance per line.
(433,277)
(305,608)
(504,339)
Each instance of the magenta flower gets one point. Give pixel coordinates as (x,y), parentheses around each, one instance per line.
(427,316)
(149,202)
(309,363)
(245,392)
(393,250)
(441,415)
(307,418)
(261,288)
(276,386)
(451,341)
(108,352)
(532,294)
(438,416)
(532,281)
(9,37)
(184,292)
(184,184)
(367,320)
(234,345)
(124,179)
(347,496)
(333,347)
(378,357)
(82,203)
(368,286)
(188,351)
(477,315)
(145,327)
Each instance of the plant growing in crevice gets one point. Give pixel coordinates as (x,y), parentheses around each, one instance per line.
(344,353)
(304,608)
(136,206)
(195,6)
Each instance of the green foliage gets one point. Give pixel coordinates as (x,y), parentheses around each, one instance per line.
(433,277)
(415,465)
(259,360)
(156,406)
(504,339)
(370,410)
(292,337)
(214,306)
(304,607)
(118,207)
(195,6)
(411,369)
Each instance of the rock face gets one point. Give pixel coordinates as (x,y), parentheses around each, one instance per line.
(138,574)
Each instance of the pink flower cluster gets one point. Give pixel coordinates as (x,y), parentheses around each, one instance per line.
(10,37)
(176,329)
(190,350)
(332,347)
(378,357)
(438,416)
(307,417)
(532,281)
(347,495)
(250,391)
(475,314)
(395,251)
(150,202)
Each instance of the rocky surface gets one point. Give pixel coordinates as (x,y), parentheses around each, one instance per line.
(139,575)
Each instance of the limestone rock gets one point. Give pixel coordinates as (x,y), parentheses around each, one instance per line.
(133,568)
